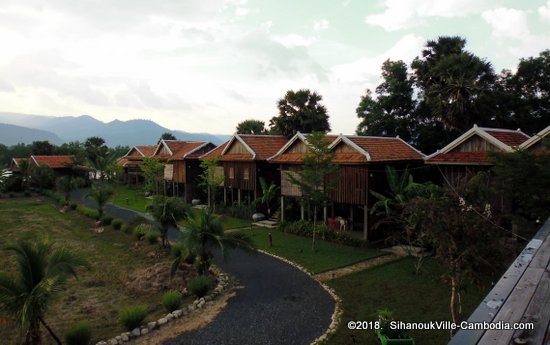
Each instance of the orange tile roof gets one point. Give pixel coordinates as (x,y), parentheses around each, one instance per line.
(297,157)
(181,148)
(381,149)
(508,137)
(215,152)
(460,158)
(54,162)
(147,151)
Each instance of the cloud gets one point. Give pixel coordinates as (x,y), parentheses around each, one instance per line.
(400,14)
(367,69)
(511,31)
(6,87)
(320,25)
(507,22)
(544,11)
(293,40)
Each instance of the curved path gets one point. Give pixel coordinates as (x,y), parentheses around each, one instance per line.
(278,303)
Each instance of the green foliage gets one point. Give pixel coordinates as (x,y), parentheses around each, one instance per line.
(126,228)
(172,300)
(251,127)
(139,232)
(300,111)
(100,195)
(181,254)
(203,232)
(305,229)
(269,192)
(88,212)
(153,172)
(40,273)
(525,178)
(168,212)
(167,136)
(79,334)
(199,286)
(132,317)
(211,178)
(73,205)
(43,177)
(151,237)
(117,223)
(107,219)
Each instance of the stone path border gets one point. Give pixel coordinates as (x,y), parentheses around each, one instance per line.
(360,266)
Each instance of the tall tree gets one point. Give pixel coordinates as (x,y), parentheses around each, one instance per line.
(316,176)
(251,127)
(211,178)
(42,148)
(391,113)
(40,272)
(153,171)
(96,153)
(300,111)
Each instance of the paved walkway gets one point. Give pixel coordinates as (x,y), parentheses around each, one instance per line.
(325,276)
(278,303)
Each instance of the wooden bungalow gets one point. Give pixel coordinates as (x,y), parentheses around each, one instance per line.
(131,163)
(361,161)
(469,153)
(182,165)
(539,143)
(244,160)
(59,164)
(15,164)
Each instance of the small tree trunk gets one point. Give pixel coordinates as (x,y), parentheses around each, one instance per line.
(314,226)
(50,331)
(455,298)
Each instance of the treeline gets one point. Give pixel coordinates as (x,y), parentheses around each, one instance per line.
(432,100)
(81,150)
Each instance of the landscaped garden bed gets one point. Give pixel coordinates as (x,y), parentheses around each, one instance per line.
(120,265)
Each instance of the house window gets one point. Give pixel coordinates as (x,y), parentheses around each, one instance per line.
(246,174)
(231,173)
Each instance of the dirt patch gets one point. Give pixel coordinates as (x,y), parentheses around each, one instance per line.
(188,323)
(156,278)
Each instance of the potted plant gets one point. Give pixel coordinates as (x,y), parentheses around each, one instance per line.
(389,336)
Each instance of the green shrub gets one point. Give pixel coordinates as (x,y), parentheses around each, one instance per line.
(79,334)
(171,300)
(107,219)
(132,317)
(88,212)
(126,228)
(199,286)
(73,205)
(151,237)
(139,232)
(305,228)
(117,223)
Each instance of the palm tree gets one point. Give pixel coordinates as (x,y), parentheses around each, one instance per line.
(268,194)
(101,196)
(203,232)
(40,273)
(168,212)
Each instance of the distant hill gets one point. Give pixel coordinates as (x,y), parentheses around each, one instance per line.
(73,128)
(11,135)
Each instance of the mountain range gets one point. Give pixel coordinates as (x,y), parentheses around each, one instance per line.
(24,128)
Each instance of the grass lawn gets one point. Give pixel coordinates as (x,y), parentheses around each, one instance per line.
(131,197)
(327,256)
(412,298)
(98,295)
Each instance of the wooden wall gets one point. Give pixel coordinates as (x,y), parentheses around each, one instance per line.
(351,186)
(237,148)
(240,175)
(287,187)
(476,144)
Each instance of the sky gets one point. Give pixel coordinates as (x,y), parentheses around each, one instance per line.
(206,65)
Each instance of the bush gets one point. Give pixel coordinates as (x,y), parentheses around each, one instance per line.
(324,232)
(79,334)
(132,317)
(88,212)
(139,232)
(117,223)
(171,300)
(126,228)
(151,237)
(106,220)
(73,205)
(199,286)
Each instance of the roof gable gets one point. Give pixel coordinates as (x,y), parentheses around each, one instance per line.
(535,138)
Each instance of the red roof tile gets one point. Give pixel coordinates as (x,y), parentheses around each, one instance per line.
(510,138)
(382,150)
(147,151)
(181,148)
(461,158)
(297,157)
(264,146)
(215,152)
(54,162)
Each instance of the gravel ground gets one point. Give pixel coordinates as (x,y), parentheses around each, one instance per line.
(278,303)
